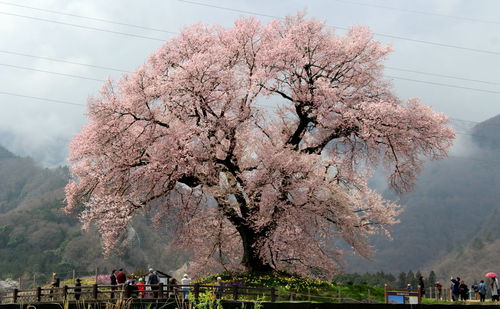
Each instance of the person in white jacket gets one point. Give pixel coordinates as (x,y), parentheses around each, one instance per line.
(494,289)
(185,289)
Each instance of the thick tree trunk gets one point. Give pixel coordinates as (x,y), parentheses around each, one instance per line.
(252,261)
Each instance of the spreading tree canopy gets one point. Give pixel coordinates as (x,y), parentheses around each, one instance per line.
(254,144)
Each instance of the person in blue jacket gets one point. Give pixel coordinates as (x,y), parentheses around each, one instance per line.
(481,289)
(455,291)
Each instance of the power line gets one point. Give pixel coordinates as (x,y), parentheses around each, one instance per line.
(443,75)
(63,61)
(41,99)
(83,27)
(393,68)
(443,85)
(419,12)
(346,28)
(51,72)
(125,71)
(87,17)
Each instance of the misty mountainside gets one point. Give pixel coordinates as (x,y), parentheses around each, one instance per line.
(451,221)
(37,237)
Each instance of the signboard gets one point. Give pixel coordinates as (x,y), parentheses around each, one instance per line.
(402,296)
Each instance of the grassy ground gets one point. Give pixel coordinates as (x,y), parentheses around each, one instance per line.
(300,289)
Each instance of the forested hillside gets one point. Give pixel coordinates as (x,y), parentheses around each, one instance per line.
(450,222)
(37,238)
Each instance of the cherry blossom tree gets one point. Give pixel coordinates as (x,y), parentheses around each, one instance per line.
(254,144)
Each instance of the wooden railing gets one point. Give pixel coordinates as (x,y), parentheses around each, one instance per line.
(123,291)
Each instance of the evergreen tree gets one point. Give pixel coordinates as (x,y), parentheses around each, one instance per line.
(402,279)
(410,279)
(431,280)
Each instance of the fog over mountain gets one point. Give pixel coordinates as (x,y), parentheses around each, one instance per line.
(450,221)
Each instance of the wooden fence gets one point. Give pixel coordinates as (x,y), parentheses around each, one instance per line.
(123,291)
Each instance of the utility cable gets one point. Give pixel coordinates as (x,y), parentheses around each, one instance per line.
(63,61)
(51,72)
(124,71)
(83,27)
(86,17)
(393,77)
(419,12)
(443,75)
(41,99)
(443,85)
(346,28)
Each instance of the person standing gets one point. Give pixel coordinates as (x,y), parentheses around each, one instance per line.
(439,289)
(114,282)
(78,289)
(494,289)
(185,281)
(55,283)
(140,287)
(464,291)
(455,288)
(481,288)
(121,277)
(218,288)
(421,286)
(153,281)
(172,292)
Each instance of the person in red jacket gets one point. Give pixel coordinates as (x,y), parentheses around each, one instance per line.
(141,287)
(121,277)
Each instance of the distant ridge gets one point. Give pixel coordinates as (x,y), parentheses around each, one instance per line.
(450,222)
(5,154)
(487,133)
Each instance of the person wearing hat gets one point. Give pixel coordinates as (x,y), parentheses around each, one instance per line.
(141,287)
(121,277)
(218,288)
(185,281)
(55,283)
(153,281)
(78,289)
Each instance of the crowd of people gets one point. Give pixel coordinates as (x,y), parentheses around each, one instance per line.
(460,290)
(149,284)
(143,286)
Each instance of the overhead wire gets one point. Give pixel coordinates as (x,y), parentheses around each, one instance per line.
(63,61)
(82,27)
(41,99)
(347,28)
(443,75)
(228,9)
(443,84)
(418,12)
(101,80)
(125,71)
(83,105)
(166,31)
(86,17)
(50,72)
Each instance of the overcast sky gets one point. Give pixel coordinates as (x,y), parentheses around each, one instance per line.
(40,129)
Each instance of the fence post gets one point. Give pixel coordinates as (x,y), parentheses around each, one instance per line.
(235,292)
(94,291)
(196,291)
(273,294)
(160,288)
(65,292)
(14,295)
(38,294)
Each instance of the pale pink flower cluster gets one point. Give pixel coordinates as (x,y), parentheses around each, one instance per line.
(185,136)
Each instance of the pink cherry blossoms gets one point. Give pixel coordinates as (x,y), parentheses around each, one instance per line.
(255,144)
